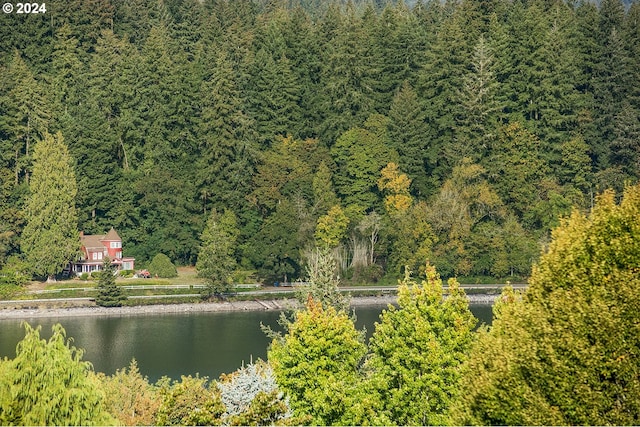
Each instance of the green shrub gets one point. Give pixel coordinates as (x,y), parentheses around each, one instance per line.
(84,276)
(162,266)
(126,273)
(48,383)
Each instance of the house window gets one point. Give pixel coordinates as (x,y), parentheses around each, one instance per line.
(94,256)
(99,255)
(115,245)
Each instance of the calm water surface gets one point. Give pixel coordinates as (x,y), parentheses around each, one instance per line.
(175,344)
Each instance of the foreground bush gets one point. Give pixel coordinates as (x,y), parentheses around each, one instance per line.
(566,352)
(416,352)
(129,397)
(316,363)
(49,384)
(190,402)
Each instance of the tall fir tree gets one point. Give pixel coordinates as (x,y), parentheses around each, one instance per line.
(216,260)
(409,134)
(26,116)
(50,239)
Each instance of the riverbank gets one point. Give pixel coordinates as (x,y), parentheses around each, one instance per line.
(212,307)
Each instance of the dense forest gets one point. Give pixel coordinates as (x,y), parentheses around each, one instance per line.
(455,131)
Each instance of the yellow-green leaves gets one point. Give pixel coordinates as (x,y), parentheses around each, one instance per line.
(49,384)
(331,227)
(316,363)
(563,354)
(417,349)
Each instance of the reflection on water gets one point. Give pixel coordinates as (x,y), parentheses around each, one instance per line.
(175,344)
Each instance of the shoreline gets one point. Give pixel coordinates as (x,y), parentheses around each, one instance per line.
(204,307)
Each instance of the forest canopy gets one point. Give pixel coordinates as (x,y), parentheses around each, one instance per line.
(456,131)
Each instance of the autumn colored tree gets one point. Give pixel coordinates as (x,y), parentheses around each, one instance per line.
(188,401)
(129,397)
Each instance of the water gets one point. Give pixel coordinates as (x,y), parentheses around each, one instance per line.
(209,344)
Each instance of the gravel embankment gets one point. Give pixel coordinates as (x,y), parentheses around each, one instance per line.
(29,313)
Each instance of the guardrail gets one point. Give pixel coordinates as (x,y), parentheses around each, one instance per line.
(144,287)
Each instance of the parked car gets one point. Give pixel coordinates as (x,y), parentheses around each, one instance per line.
(143,274)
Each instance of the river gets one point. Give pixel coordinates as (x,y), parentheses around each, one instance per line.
(177,344)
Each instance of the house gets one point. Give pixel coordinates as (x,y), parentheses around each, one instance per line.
(95,248)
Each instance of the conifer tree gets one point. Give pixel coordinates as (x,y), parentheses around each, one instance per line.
(109,294)
(409,134)
(347,78)
(480,107)
(50,239)
(216,262)
(226,137)
(26,116)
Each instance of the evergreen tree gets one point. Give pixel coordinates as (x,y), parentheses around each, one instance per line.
(109,294)
(216,261)
(398,50)
(481,110)
(347,78)
(275,249)
(50,239)
(226,138)
(409,134)
(25,119)
(438,84)
(275,98)
(516,167)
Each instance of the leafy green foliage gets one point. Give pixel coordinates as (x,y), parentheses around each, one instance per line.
(189,401)
(316,363)
(129,397)
(49,384)
(162,266)
(109,294)
(561,353)
(416,352)
(331,227)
